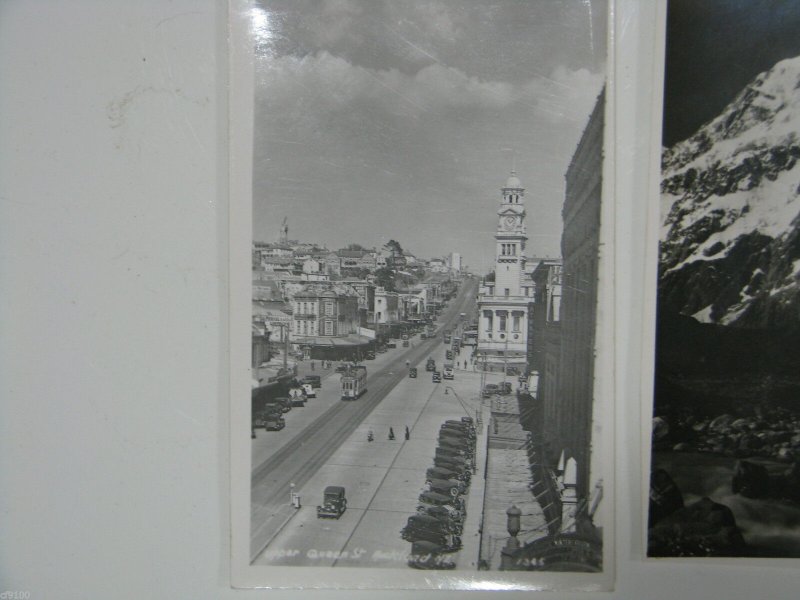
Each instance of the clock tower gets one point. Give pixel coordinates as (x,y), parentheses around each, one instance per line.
(510,238)
(505,305)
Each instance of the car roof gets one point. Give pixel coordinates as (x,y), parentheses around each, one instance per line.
(334,489)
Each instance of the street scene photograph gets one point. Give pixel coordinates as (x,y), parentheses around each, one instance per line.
(427,261)
(725,469)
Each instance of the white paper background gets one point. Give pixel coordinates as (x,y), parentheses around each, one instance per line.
(113,322)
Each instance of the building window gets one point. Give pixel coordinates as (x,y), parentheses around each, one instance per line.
(507,291)
(501,325)
(329,309)
(328,327)
(488,318)
(515,321)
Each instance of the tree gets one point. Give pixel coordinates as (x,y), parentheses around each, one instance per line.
(385,279)
(355,247)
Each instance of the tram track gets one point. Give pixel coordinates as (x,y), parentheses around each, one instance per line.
(299,460)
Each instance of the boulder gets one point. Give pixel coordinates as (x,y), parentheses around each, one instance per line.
(704,528)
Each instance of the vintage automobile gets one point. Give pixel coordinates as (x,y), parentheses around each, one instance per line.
(342,367)
(309,390)
(505,387)
(429,556)
(456,443)
(412,372)
(425,527)
(490,389)
(459,426)
(436,377)
(369,355)
(448,372)
(285,404)
(453,487)
(451,463)
(430,365)
(405,343)
(313,380)
(436,499)
(334,503)
(454,518)
(391,345)
(274,422)
(443,473)
(457,434)
(448,355)
(297,397)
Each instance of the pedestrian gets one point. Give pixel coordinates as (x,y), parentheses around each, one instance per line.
(465,365)
(312,365)
(391,433)
(408,433)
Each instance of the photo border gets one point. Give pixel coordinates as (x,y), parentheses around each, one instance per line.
(244,575)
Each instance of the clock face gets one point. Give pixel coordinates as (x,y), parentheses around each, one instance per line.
(509,222)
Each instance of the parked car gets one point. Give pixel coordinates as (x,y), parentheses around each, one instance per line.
(453,487)
(505,387)
(490,389)
(309,390)
(436,377)
(425,527)
(274,422)
(369,355)
(285,403)
(314,380)
(391,345)
(334,503)
(341,367)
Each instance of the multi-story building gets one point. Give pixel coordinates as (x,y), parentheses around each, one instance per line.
(325,310)
(580,246)
(366,298)
(504,306)
(387,307)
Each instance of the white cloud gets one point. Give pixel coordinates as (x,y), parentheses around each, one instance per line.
(332,83)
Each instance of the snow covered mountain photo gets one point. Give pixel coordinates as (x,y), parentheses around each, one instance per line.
(730,248)
(725,469)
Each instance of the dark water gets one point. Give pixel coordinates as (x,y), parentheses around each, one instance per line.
(770,528)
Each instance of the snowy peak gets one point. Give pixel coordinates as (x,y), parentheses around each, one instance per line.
(730,250)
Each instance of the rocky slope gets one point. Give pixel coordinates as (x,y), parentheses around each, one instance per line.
(730,250)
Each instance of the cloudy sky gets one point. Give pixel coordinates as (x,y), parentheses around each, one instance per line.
(400,119)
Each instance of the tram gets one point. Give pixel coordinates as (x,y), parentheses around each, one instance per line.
(354,382)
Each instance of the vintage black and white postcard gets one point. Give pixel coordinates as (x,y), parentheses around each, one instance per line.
(725,480)
(422,298)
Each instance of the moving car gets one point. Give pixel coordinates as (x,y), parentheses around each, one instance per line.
(334,503)
(412,372)
(430,365)
(309,390)
(436,377)
(448,371)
